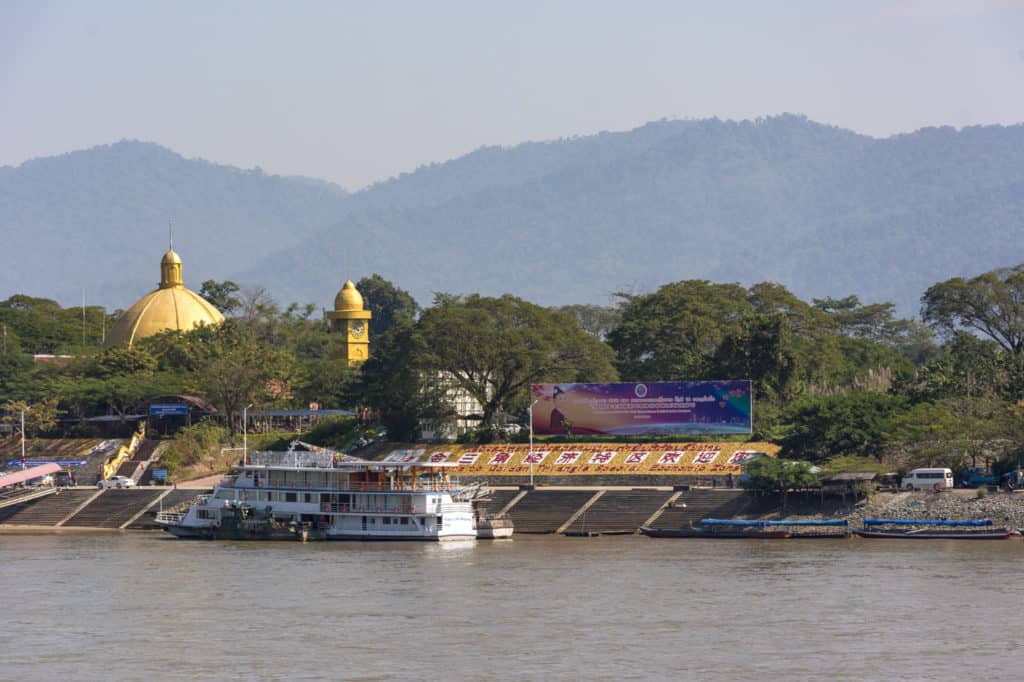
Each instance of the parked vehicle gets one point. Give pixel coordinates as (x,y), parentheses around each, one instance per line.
(1013,480)
(116,482)
(976,477)
(928,479)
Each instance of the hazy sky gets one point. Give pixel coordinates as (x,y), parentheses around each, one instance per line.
(356,92)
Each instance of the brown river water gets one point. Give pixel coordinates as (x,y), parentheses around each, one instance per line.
(142,606)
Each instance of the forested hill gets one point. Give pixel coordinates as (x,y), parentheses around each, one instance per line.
(824,211)
(98,219)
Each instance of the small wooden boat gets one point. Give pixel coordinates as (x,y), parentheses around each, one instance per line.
(942,529)
(724,529)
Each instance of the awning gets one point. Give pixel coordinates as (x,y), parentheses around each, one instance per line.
(28,474)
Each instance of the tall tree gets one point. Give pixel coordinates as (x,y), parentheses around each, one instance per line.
(991,304)
(389,304)
(221,295)
(673,334)
(494,348)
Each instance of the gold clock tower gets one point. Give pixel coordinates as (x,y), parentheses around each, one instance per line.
(349,318)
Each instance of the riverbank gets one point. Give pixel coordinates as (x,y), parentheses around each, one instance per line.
(1003,508)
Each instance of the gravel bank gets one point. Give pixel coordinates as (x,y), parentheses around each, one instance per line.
(1004,509)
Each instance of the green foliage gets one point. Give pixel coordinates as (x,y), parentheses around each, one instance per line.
(850,424)
(389,304)
(192,445)
(845,464)
(991,304)
(495,348)
(39,417)
(673,334)
(769,474)
(221,295)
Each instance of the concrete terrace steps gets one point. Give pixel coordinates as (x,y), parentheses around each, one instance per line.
(51,510)
(701,503)
(544,511)
(174,498)
(113,508)
(620,511)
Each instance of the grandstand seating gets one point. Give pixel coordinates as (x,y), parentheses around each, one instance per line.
(701,503)
(620,511)
(544,511)
(50,510)
(113,508)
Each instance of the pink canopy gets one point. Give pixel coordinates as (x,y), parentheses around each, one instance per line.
(28,474)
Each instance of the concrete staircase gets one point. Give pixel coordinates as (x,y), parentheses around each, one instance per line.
(701,503)
(50,510)
(113,508)
(620,511)
(173,499)
(544,511)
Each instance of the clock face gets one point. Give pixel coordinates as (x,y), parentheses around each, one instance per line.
(358,328)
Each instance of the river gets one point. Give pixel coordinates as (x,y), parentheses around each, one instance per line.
(143,606)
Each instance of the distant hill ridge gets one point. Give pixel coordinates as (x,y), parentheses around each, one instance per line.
(822,210)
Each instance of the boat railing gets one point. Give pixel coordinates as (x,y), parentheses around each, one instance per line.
(169,518)
(294,458)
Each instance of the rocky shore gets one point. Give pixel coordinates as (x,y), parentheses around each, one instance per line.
(1004,509)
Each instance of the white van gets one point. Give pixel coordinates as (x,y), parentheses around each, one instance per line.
(928,479)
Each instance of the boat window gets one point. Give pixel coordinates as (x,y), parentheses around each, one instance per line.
(405,521)
(225,495)
(308,497)
(291,497)
(387,520)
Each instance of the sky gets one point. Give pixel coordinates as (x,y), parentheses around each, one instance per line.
(357,92)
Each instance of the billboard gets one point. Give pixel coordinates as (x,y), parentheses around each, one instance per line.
(630,409)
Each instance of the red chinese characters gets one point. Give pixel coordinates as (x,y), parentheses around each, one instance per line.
(602,457)
(568,457)
(469,458)
(637,457)
(438,457)
(535,456)
(501,458)
(671,457)
(705,456)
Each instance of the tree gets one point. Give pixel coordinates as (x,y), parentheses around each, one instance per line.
(221,295)
(772,475)
(389,304)
(395,382)
(235,370)
(673,334)
(850,424)
(598,320)
(991,304)
(926,435)
(495,348)
(39,417)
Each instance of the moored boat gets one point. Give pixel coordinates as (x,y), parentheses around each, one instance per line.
(720,529)
(932,529)
(319,494)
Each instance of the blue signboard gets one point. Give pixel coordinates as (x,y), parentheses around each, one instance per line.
(164,409)
(159,473)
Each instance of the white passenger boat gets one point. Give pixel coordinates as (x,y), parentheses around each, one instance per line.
(321,495)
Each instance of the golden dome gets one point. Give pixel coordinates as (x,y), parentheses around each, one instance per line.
(172,306)
(348,298)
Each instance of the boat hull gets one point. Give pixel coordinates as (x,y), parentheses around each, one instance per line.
(716,534)
(996,534)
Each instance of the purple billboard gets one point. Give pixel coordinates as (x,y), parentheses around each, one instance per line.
(628,409)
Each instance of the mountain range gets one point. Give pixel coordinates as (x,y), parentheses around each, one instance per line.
(822,210)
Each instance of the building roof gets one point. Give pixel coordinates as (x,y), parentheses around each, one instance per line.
(170,307)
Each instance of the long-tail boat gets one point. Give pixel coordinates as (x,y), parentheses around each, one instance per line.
(932,529)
